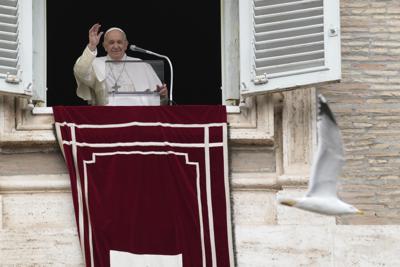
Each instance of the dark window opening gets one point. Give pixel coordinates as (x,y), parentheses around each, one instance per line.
(189,34)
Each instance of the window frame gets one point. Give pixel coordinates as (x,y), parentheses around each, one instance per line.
(39,52)
(229,57)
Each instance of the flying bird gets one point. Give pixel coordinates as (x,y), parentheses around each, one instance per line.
(322,189)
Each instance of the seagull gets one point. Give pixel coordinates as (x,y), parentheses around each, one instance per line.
(322,192)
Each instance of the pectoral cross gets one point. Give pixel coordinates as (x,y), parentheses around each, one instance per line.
(116,87)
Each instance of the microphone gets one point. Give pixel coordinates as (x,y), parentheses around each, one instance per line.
(141,50)
(138,49)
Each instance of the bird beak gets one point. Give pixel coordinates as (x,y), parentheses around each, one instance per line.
(287,202)
(360,212)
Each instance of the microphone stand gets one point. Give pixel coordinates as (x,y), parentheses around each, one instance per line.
(138,49)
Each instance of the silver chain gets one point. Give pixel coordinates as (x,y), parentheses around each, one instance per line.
(116,86)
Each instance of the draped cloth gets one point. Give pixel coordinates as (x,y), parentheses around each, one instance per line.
(149,184)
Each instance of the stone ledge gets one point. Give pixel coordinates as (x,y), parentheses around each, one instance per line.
(293,180)
(42,138)
(36,140)
(254,181)
(35,183)
(32,164)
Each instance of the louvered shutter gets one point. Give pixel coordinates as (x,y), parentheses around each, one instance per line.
(16,47)
(288,43)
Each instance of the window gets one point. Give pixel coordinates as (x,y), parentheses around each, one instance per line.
(194,50)
(288,43)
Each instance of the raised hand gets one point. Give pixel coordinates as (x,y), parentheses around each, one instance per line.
(162,90)
(94,36)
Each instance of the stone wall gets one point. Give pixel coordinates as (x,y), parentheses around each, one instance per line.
(37,223)
(367,106)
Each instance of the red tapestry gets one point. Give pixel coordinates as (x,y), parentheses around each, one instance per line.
(149,184)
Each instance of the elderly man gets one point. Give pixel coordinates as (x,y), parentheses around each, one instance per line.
(98,85)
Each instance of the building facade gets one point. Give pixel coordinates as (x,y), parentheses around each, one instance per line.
(272,137)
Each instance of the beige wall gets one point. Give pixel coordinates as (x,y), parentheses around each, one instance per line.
(367,107)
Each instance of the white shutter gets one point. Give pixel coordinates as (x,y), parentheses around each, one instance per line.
(16,47)
(288,43)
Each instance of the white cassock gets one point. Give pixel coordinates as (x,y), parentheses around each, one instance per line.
(101,82)
(130,82)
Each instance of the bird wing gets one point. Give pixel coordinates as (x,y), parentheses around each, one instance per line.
(329,159)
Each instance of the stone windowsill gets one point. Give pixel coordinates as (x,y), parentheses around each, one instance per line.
(49,110)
